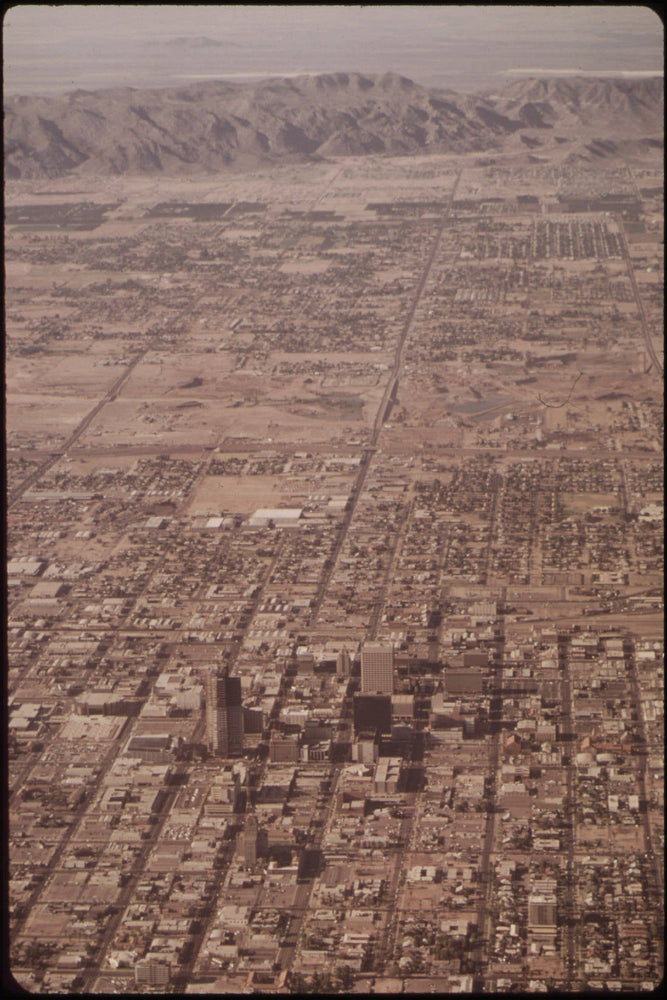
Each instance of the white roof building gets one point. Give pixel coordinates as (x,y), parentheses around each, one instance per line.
(282,517)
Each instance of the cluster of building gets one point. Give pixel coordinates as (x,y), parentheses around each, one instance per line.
(377,708)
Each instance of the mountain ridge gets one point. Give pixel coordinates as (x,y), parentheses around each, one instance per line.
(217,125)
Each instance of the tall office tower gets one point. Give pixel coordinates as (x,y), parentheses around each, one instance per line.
(224,714)
(246,840)
(252,842)
(377,668)
(343,663)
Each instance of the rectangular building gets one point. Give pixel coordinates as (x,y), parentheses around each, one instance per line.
(224,714)
(377,668)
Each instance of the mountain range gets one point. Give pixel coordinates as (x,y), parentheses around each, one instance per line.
(216,125)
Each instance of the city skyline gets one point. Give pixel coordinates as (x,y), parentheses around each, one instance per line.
(335,500)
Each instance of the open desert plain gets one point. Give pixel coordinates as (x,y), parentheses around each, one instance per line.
(305,378)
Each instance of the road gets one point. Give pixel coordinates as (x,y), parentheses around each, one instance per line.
(567,917)
(495,718)
(386,946)
(391,390)
(388,576)
(52,866)
(94,966)
(496,484)
(638,301)
(15,495)
(183,975)
(654,858)
(390,394)
(322,821)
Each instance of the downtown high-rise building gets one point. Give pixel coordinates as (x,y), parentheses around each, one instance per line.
(377,668)
(343,663)
(252,841)
(224,714)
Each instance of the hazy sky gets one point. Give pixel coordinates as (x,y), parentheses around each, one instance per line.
(59,48)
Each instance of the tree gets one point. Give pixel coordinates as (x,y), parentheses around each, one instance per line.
(344,973)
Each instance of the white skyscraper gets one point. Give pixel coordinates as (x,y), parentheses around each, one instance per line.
(377,668)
